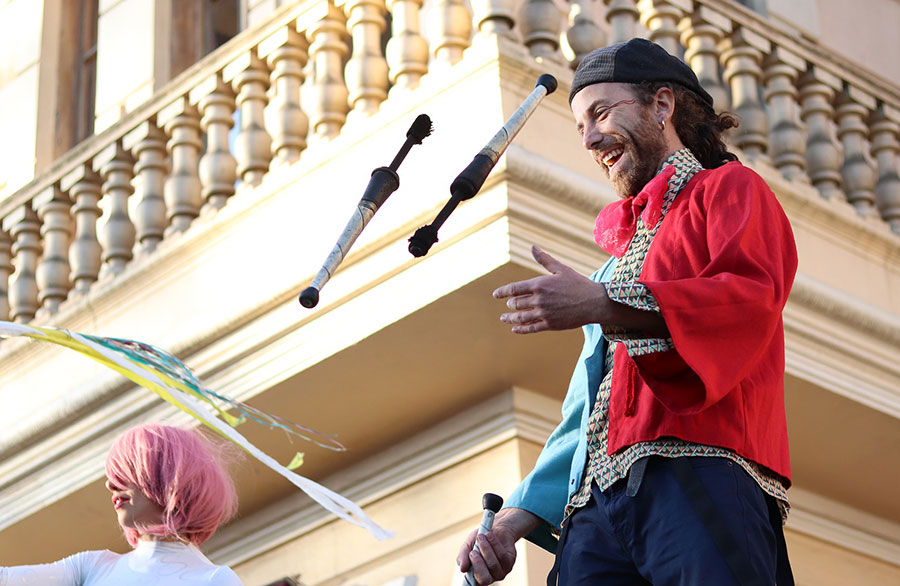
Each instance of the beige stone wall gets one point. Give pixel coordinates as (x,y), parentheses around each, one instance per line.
(20,29)
(865,32)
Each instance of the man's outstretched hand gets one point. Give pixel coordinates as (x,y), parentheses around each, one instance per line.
(565,299)
(561,300)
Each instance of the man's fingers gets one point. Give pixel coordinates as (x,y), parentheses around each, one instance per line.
(462,559)
(520,302)
(479,568)
(521,317)
(490,557)
(547,261)
(531,328)
(489,566)
(525,322)
(514,289)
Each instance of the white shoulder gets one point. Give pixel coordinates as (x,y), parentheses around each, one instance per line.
(224,576)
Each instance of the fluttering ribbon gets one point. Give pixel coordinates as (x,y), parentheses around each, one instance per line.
(617,222)
(160,372)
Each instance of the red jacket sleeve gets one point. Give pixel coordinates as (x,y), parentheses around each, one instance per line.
(720,268)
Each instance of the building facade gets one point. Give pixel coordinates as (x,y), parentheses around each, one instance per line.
(176,171)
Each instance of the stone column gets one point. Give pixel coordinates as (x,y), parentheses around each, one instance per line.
(6,269)
(700,34)
(661,17)
(407,49)
(493,17)
(366,72)
(117,234)
(52,275)
(583,34)
(823,157)
(24,226)
(83,186)
(286,53)
(541,26)
(217,169)
(622,16)
(148,144)
(249,77)
(858,170)
(182,189)
(885,128)
(787,142)
(327,49)
(449,26)
(741,55)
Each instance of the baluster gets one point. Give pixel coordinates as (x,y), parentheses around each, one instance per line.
(741,55)
(493,17)
(83,186)
(700,34)
(52,275)
(886,148)
(148,143)
(6,269)
(253,145)
(182,190)
(541,25)
(286,54)
(823,157)
(217,169)
(366,72)
(661,18)
(449,25)
(787,140)
(327,49)
(858,171)
(24,227)
(407,49)
(117,233)
(583,34)
(622,15)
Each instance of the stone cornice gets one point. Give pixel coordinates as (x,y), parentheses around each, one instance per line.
(522,414)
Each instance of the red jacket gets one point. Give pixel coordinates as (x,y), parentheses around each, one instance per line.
(720,267)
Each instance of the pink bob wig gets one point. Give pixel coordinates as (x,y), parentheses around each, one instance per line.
(180,470)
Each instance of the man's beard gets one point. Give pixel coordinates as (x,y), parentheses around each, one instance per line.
(646,147)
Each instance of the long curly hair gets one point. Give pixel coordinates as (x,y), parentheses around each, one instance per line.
(696,122)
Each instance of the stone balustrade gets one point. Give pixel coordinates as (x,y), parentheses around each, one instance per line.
(272,92)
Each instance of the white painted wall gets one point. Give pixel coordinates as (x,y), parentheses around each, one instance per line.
(20,29)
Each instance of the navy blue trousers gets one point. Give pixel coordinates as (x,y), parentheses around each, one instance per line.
(657,538)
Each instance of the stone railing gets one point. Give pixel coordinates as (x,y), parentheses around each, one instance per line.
(298,79)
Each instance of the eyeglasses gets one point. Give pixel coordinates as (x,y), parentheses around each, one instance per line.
(601,113)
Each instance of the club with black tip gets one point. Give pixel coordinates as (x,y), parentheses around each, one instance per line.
(383,183)
(467,183)
(491,504)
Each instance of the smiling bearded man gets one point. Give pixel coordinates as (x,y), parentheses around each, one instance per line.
(670,466)
(639,147)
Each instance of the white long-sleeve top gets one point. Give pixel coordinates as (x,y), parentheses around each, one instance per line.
(152,563)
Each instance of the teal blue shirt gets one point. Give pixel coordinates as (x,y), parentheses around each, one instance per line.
(557,473)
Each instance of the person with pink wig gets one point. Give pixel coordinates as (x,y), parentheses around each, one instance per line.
(170,492)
